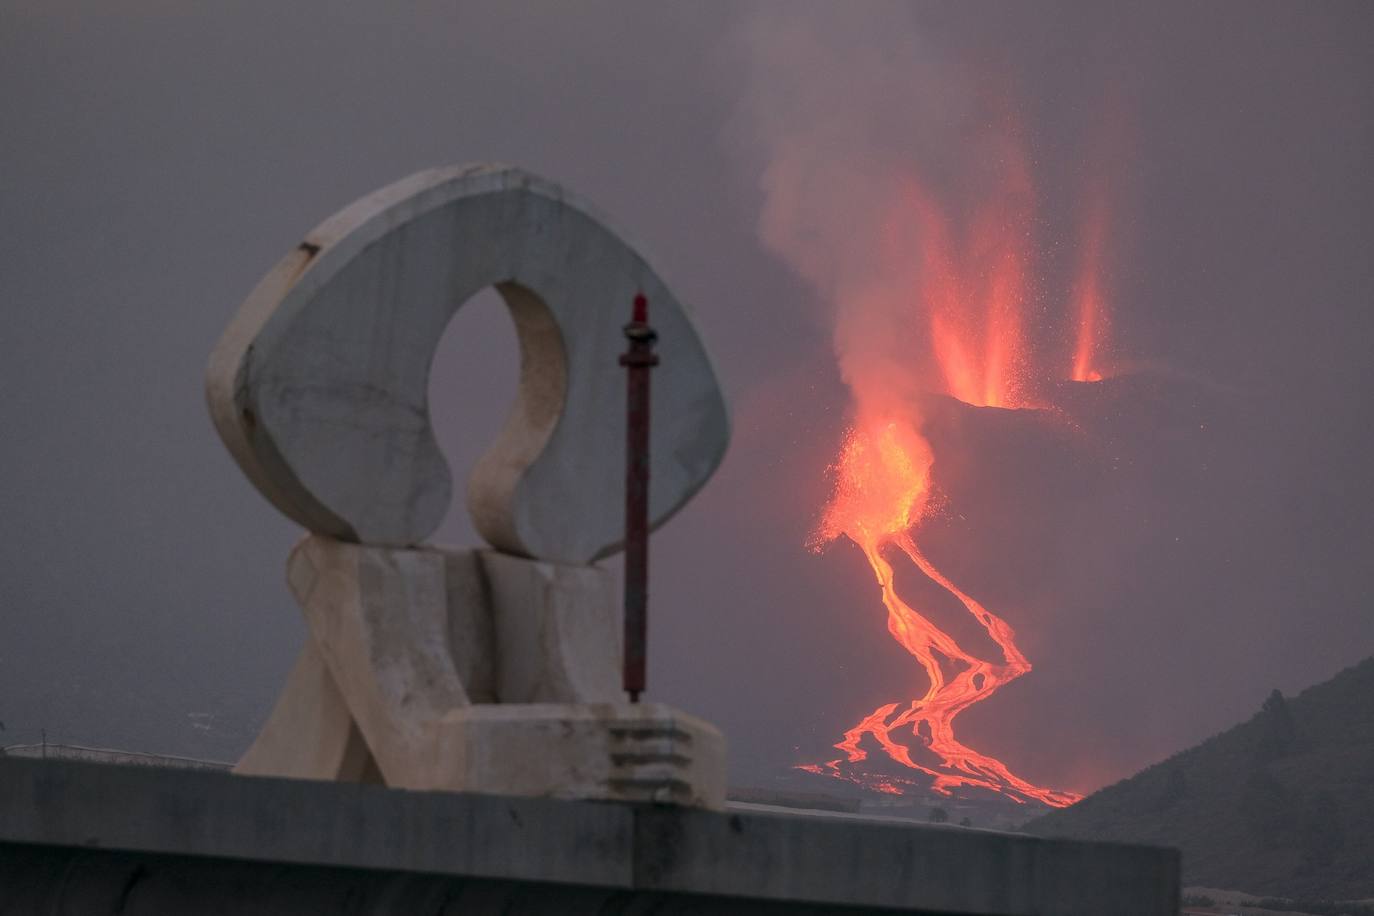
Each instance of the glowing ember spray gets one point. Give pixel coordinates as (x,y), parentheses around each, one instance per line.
(1088,295)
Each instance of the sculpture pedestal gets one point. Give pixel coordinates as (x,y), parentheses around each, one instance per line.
(473,671)
(644,752)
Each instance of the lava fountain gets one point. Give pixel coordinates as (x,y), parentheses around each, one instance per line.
(970,293)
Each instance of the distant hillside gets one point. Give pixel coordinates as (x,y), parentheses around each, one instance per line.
(1280,805)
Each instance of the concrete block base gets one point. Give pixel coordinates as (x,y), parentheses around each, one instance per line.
(472,671)
(612,752)
(90,839)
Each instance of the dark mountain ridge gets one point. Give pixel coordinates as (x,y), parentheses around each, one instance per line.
(1282,804)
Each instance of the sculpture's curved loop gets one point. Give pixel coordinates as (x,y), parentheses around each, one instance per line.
(319,387)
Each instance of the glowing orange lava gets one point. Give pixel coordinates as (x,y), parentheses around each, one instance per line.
(970,294)
(882,490)
(1088,295)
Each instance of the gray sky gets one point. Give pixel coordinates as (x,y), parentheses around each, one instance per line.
(157,158)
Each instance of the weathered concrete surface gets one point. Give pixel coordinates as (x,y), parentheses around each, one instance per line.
(643,752)
(310,733)
(379,619)
(400,638)
(56,881)
(558,631)
(116,840)
(319,386)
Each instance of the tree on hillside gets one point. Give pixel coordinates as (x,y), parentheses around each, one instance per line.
(1277,734)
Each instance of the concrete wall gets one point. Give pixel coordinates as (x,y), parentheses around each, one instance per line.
(83,838)
(109,755)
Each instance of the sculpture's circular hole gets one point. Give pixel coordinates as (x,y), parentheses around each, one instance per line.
(473,382)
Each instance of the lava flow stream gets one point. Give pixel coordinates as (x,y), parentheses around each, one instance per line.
(882,491)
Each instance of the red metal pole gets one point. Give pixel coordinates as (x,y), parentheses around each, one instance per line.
(637,360)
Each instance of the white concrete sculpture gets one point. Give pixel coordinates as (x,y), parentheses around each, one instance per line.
(475,670)
(320,385)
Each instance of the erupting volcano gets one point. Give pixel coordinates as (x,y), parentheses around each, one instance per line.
(966,294)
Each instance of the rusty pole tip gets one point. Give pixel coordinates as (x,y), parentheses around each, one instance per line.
(641,311)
